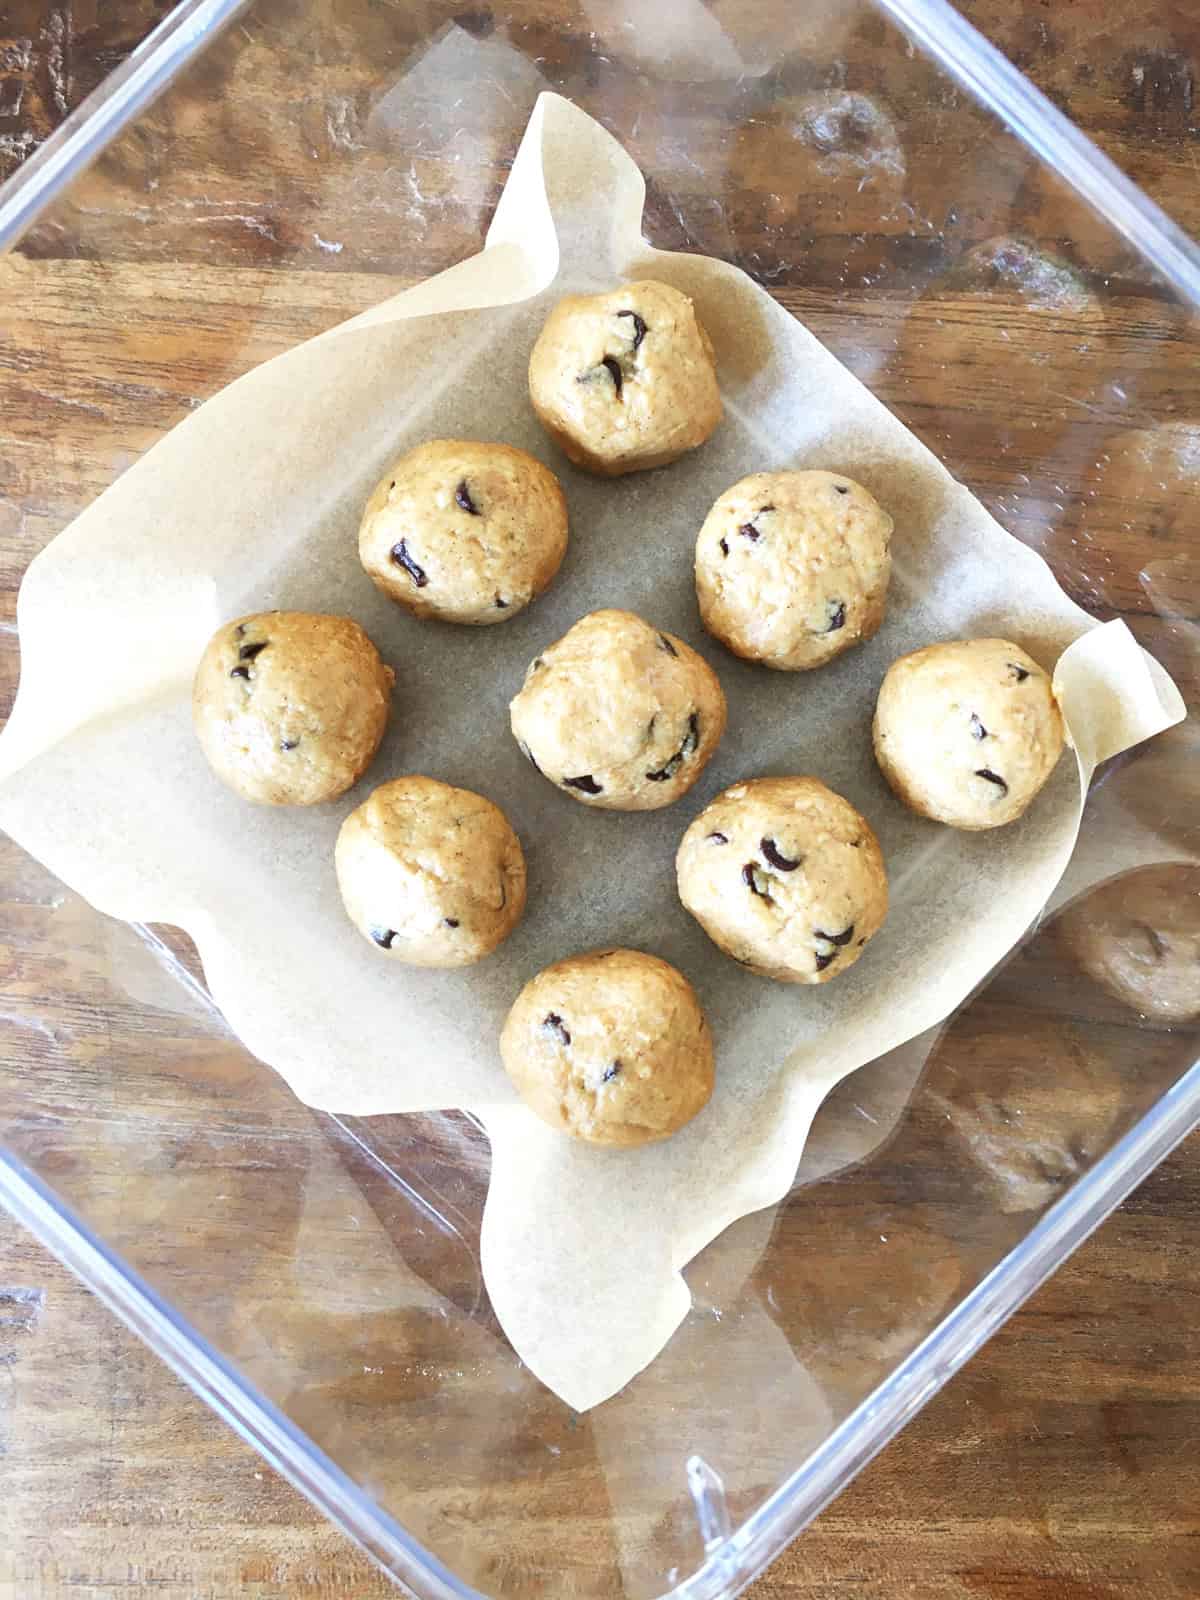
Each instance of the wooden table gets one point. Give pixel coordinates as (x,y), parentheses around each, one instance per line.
(1061,1465)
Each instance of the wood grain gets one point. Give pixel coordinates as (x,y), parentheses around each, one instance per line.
(1061,1465)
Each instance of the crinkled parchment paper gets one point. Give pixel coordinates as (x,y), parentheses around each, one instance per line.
(253,502)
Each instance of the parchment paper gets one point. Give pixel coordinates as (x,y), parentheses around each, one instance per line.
(253,502)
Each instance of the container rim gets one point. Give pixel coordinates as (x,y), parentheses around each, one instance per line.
(940,30)
(736,1560)
(877,1419)
(105,113)
(217,1382)
(995,83)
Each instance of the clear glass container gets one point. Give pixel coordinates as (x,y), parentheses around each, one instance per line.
(1033,318)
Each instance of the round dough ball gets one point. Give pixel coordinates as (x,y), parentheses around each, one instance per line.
(434,876)
(786,877)
(1138,935)
(618,714)
(968,732)
(792,568)
(625,380)
(464,531)
(611,1047)
(290,706)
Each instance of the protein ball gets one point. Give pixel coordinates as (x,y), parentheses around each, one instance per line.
(463,531)
(625,380)
(290,706)
(432,875)
(967,732)
(610,1047)
(792,568)
(619,714)
(784,876)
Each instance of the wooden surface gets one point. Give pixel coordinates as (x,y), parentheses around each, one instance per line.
(1061,1465)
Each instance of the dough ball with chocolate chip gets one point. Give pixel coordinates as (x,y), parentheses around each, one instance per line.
(619,714)
(432,875)
(464,531)
(290,706)
(625,380)
(792,568)
(786,877)
(1138,935)
(611,1047)
(967,732)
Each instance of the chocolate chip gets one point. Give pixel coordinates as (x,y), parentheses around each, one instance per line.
(288,744)
(586,784)
(240,630)
(772,854)
(639,327)
(554,1024)
(451,922)
(1019,673)
(992,777)
(837,615)
(614,372)
(753,881)
(383,937)
(720,838)
(249,651)
(978,731)
(824,961)
(665,644)
(724,547)
(748,529)
(241,672)
(691,740)
(835,938)
(528,754)
(402,558)
(842,488)
(611,1072)
(462,499)
(501,605)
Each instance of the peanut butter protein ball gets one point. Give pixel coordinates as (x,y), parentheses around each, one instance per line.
(625,380)
(792,568)
(610,1047)
(290,706)
(463,531)
(786,877)
(968,732)
(619,714)
(432,875)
